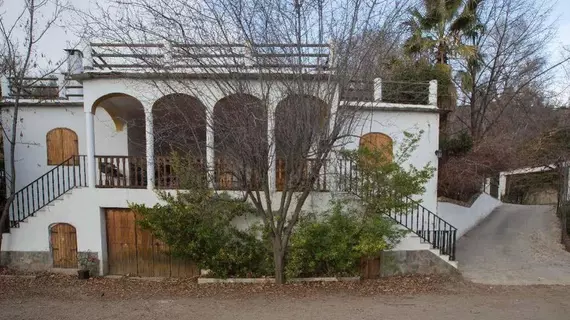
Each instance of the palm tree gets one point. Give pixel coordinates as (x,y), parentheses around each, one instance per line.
(438,30)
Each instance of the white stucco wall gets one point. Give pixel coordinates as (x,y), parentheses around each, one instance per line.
(503,176)
(83,208)
(35,122)
(465,218)
(394,124)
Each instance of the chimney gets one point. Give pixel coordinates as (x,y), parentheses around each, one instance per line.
(74,61)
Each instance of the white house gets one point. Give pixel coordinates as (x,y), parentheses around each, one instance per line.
(83,156)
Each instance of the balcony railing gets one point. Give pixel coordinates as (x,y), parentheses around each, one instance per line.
(320,183)
(209,57)
(121,172)
(42,88)
(131,172)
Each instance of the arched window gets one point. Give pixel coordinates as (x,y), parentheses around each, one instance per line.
(378,142)
(61,144)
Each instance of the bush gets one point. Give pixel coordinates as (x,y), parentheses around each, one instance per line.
(334,245)
(458,145)
(197,225)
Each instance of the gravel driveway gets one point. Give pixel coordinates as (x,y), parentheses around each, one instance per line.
(515,244)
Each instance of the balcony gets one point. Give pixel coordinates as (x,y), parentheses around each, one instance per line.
(130,172)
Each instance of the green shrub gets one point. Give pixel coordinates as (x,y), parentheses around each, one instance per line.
(197,225)
(334,244)
(457,145)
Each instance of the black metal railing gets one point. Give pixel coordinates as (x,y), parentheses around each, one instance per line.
(69,174)
(427,225)
(407,212)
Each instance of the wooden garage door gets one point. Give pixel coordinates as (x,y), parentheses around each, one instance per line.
(63,245)
(134,251)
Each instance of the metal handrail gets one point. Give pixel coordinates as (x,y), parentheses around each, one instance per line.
(47,188)
(427,225)
(410,214)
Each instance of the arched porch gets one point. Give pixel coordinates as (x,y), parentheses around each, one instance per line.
(236,143)
(240,142)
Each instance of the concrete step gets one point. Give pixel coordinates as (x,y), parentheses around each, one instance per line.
(445,258)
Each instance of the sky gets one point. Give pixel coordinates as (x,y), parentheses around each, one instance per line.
(562,14)
(62,37)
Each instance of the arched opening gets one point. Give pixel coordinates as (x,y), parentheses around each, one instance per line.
(63,242)
(301,122)
(62,144)
(378,147)
(121,168)
(240,142)
(179,123)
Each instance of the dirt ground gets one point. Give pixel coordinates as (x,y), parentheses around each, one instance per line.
(63,297)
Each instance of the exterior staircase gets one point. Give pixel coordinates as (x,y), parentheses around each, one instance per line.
(46,189)
(428,227)
(439,235)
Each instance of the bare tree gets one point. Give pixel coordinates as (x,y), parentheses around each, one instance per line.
(504,95)
(511,39)
(292,85)
(21,58)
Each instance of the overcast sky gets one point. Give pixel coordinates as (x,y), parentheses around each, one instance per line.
(62,37)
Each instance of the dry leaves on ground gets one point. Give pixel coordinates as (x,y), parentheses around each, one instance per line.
(69,287)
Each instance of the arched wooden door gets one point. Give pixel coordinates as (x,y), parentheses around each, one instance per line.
(378,142)
(64,245)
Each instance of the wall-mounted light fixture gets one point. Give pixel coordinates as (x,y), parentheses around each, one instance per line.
(438,153)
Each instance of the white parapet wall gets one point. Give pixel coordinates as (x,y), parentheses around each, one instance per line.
(465,218)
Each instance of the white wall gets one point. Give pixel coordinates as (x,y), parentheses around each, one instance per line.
(465,218)
(35,122)
(394,124)
(503,176)
(83,208)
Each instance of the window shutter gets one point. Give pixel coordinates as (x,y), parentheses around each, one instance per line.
(62,143)
(375,141)
(53,141)
(69,144)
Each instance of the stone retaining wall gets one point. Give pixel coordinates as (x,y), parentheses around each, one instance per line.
(37,260)
(413,262)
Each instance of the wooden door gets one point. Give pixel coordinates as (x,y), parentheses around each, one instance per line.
(64,245)
(121,241)
(134,251)
(280,175)
(153,259)
(370,267)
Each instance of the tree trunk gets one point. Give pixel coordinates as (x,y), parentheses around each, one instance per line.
(3,219)
(279,260)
